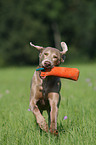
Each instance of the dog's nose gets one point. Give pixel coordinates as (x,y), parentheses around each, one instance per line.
(47,63)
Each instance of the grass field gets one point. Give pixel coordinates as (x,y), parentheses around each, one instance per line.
(78,103)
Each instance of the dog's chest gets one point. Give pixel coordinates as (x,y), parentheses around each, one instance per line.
(50,84)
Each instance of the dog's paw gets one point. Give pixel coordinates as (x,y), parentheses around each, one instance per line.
(54,132)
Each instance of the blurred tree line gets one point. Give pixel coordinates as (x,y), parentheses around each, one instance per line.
(46,23)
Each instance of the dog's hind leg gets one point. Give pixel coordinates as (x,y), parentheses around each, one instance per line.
(49,121)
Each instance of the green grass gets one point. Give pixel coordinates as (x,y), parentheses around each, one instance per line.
(78,103)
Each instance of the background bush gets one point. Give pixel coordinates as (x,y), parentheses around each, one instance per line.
(46,23)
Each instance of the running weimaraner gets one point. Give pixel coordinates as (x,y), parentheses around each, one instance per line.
(45,92)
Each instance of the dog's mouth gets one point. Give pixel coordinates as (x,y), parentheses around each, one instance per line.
(47,65)
(43,77)
(47,69)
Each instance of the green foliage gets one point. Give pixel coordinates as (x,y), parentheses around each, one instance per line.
(78,103)
(22,21)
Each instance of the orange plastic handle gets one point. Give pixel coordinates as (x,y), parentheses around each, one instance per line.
(63,72)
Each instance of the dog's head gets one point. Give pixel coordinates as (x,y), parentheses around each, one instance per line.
(50,57)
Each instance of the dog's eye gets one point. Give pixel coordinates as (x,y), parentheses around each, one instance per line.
(54,56)
(46,54)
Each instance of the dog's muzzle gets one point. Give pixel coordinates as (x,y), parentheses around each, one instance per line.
(47,63)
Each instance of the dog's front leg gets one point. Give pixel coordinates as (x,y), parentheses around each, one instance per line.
(53,100)
(39,118)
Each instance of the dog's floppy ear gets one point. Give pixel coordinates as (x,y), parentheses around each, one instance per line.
(40,48)
(65,49)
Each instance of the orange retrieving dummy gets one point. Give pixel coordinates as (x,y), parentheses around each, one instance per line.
(62,72)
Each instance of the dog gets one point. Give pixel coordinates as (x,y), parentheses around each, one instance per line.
(45,92)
